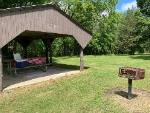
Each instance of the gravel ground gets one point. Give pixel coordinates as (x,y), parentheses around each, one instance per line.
(140,103)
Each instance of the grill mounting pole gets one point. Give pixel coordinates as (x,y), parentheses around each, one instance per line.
(129,88)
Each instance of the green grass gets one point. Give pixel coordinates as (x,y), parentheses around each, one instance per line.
(78,94)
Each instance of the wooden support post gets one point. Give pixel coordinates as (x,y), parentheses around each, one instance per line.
(25,52)
(46,53)
(50,50)
(46,50)
(1,71)
(129,88)
(81,59)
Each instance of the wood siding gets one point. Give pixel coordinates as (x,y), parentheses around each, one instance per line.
(42,19)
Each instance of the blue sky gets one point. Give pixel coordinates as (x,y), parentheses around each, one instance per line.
(124,5)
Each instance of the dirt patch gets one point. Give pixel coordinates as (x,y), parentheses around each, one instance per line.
(140,103)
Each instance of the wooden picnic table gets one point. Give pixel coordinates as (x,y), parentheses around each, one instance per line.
(11,69)
(8,63)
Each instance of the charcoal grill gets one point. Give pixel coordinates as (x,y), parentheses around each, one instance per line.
(132,74)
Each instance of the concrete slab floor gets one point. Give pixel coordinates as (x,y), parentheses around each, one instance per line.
(33,76)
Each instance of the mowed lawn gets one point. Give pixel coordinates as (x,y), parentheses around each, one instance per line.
(84,93)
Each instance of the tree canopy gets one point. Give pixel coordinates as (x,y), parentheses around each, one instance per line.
(113,32)
(144,6)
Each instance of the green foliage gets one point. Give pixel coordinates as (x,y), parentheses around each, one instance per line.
(65,46)
(143,33)
(104,28)
(109,33)
(144,6)
(36,48)
(127,38)
(143,27)
(19,3)
(16,3)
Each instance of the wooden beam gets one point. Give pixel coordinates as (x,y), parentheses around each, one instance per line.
(25,52)
(1,71)
(81,59)
(46,54)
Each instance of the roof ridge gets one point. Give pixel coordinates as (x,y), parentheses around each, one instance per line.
(28,6)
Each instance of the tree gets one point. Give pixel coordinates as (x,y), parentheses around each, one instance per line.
(19,3)
(143,33)
(144,6)
(88,13)
(143,26)
(127,38)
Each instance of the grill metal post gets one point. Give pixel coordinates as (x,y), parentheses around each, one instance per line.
(129,88)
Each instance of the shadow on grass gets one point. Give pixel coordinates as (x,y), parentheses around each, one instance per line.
(76,67)
(66,66)
(65,57)
(144,57)
(124,94)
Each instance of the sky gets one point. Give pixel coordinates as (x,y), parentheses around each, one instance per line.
(124,5)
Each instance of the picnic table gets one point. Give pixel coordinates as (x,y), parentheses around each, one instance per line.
(12,66)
